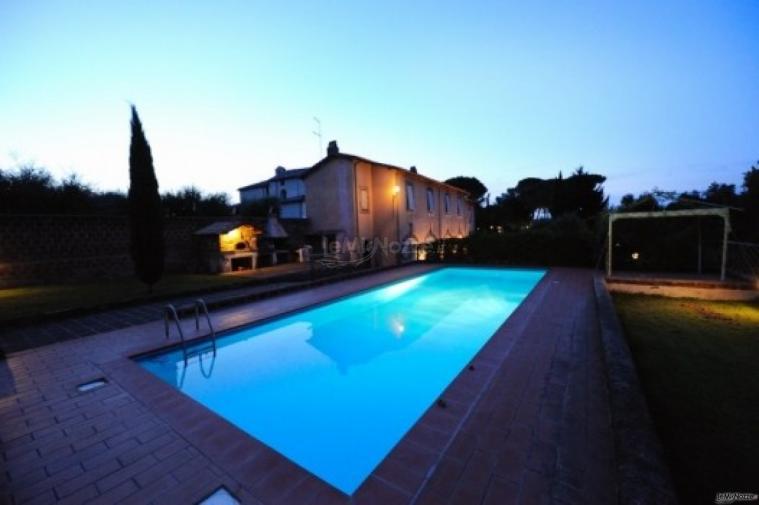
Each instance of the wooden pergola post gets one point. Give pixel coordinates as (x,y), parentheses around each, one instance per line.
(609,246)
(725,231)
(724,213)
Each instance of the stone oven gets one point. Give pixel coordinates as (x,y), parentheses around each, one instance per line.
(229,246)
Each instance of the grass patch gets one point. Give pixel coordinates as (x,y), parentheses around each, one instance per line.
(698,363)
(26,302)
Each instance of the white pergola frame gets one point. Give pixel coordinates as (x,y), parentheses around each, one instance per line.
(724,213)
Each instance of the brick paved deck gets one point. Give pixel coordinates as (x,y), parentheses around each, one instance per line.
(530,423)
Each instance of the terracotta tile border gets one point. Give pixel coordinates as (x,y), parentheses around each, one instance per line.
(274,479)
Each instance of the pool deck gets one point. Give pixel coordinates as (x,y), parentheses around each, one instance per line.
(529,422)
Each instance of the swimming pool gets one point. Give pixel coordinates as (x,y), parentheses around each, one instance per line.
(336,386)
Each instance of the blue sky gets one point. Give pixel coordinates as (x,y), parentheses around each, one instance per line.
(650,94)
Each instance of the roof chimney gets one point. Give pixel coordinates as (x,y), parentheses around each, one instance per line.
(280,171)
(332,148)
(413,169)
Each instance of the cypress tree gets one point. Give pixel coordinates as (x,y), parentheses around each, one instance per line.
(144,202)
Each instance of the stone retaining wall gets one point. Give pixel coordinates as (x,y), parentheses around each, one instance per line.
(642,474)
(37,249)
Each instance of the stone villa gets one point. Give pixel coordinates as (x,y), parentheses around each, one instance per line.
(347,198)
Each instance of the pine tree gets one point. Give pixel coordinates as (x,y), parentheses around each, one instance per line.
(144,202)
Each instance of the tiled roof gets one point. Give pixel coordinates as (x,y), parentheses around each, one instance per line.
(219,227)
(289,174)
(304,172)
(353,157)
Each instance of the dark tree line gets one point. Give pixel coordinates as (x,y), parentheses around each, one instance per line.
(190,201)
(580,195)
(537,222)
(29,189)
(561,221)
(743,201)
(477,190)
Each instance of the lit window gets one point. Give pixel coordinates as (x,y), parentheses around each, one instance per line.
(410,202)
(447,203)
(430,200)
(363,199)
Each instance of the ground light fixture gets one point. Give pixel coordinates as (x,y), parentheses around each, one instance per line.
(91,385)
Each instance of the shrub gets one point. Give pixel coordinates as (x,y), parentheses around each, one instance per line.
(565,241)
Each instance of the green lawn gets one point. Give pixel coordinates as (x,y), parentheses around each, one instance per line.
(698,362)
(39,300)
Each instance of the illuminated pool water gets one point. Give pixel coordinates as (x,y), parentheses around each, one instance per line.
(335,387)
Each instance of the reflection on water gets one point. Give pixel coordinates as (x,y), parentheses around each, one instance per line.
(382,332)
(201,360)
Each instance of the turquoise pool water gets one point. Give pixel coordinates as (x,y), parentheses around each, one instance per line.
(335,387)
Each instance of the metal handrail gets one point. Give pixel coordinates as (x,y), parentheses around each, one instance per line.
(171,310)
(200,304)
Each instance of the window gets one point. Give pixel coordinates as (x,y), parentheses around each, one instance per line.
(283,194)
(410,202)
(363,199)
(447,203)
(430,200)
(458,205)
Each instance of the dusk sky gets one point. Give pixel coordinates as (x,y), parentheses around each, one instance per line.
(647,93)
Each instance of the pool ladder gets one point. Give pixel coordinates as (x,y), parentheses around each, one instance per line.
(170,312)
